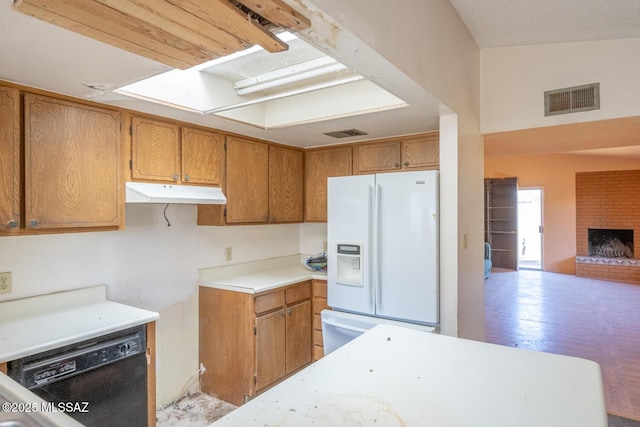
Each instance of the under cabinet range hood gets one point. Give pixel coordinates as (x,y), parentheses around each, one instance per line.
(144,192)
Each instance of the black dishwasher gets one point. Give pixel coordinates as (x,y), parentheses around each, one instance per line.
(98,382)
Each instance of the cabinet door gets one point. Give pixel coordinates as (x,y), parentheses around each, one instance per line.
(285,184)
(270,348)
(421,153)
(155,150)
(72,164)
(320,165)
(247,181)
(9,158)
(298,336)
(202,157)
(369,158)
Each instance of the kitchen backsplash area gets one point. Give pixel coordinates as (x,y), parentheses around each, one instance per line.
(154,266)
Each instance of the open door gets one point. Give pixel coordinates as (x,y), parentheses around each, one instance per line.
(530,228)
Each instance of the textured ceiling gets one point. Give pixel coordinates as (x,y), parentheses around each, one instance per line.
(496,23)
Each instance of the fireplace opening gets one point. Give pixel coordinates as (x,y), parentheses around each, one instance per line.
(609,243)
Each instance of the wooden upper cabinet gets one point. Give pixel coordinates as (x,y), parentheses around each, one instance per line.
(370,158)
(422,152)
(247,181)
(321,164)
(405,153)
(202,157)
(155,150)
(264,183)
(9,159)
(285,184)
(72,164)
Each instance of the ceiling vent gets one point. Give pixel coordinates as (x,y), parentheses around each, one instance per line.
(572,99)
(345,133)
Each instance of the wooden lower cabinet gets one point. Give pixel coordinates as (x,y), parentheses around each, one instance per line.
(151,374)
(248,342)
(319,301)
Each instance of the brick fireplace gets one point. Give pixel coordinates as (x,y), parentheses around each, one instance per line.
(607,217)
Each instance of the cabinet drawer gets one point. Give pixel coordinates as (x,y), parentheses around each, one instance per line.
(298,292)
(320,288)
(269,302)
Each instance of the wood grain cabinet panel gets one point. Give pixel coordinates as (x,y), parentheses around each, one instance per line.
(249,342)
(247,181)
(10,193)
(370,158)
(421,153)
(270,348)
(155,150)
(72,164)
(319,165)
(404,153)
(319,303)
(202,157)
(298,336)
(285,184)
(264,184)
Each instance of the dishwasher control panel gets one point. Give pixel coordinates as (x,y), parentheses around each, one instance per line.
(47,367)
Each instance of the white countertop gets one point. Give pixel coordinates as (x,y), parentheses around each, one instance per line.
(259,276)
(394,376)
(35,324)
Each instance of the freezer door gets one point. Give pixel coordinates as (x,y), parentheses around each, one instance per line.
(406,246)
(349,223)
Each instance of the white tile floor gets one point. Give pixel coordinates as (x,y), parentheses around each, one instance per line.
(195,410)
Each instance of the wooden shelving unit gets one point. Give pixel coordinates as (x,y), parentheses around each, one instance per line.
(501,221)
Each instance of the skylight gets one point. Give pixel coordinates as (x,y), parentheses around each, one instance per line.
(268,90)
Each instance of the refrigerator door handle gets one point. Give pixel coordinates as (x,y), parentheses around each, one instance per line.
(371,266)
(376,246)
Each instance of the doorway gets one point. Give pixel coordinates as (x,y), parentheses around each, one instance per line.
(530,228)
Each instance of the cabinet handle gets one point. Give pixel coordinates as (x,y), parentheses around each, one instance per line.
(33,222)
(289,311)
(13,223)
(186,178)
(397,165)
(406,163)
(175,177)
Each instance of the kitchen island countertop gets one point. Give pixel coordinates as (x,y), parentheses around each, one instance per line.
(394,376)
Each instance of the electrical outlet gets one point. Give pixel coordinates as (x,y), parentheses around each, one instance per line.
(324,246)
(227,254)
(5,282)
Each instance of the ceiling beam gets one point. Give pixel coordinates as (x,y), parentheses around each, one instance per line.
(279,13)
(178,33)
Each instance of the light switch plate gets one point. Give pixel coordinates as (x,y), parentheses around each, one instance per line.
(5,282)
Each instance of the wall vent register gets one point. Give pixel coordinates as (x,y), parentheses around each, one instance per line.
(572,99)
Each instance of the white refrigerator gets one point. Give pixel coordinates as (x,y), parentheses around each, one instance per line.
(382,246)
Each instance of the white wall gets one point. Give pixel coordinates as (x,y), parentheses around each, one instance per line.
(147,265)
(514,80)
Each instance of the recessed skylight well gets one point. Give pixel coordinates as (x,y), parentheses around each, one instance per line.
(268,90)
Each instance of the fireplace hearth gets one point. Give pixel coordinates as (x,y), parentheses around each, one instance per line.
(611,243)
